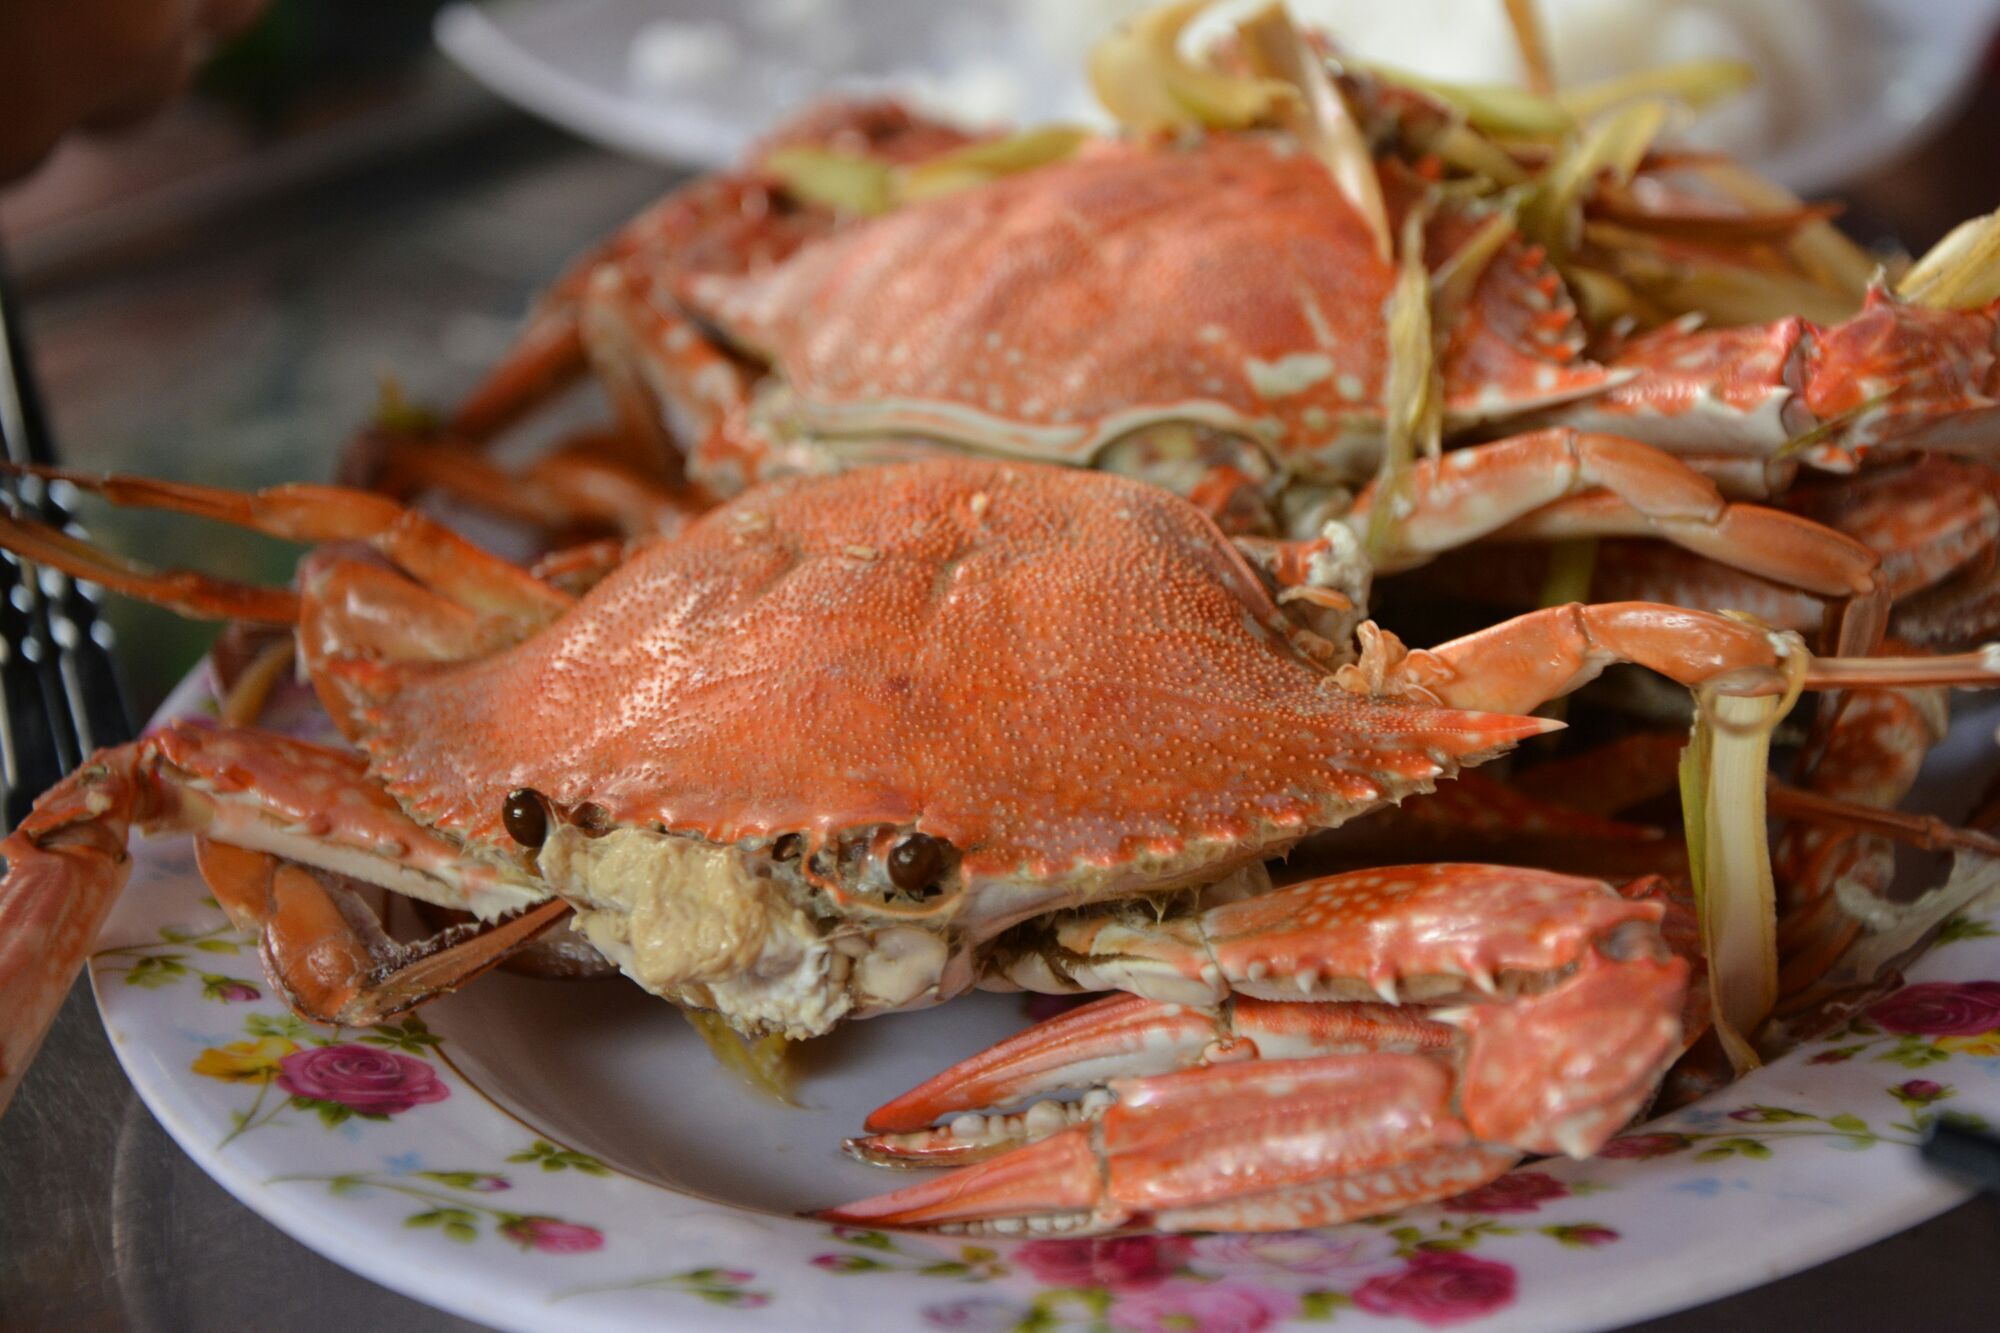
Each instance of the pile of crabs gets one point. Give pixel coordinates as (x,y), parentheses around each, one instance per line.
(987,581)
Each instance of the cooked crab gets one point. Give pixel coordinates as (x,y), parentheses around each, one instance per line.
(1240,312)
(861,743)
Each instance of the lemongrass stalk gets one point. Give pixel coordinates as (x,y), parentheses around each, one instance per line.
(1529,35)
(1724,773)
(1320,116)
(1960,272)
(845,182)
(977,163)
(1510,113)
(1820,248)
(762,1062)
(1414,407)
(1614,145)
(1142,78)
(1692,83)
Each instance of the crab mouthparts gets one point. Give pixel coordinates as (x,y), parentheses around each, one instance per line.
(717,927)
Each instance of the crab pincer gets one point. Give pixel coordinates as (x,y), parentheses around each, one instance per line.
(1521,1011)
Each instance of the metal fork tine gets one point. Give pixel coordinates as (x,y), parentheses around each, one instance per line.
(59,697)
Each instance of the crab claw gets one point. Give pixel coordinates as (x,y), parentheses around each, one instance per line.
(1562,1010)
(1120,1036)
(1897,378)
(1248,1146)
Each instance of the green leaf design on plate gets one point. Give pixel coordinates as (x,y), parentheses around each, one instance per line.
(1963,928)
(552,1158)
(1323,1304)
(156,971)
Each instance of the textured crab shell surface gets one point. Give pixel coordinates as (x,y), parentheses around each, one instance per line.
(1072,679)
(1224,281)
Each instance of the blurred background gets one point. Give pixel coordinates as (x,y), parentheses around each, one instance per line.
(222,292)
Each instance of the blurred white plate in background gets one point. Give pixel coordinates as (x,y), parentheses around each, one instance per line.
(1848,84)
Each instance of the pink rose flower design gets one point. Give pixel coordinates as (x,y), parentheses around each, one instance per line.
(1213,1307)
(1941,1009)
(1439,1288)
(364,1079)
(1637,1146)
(1122,1263)
(1516,1192)
(1920,1092)
(552,1235)
(1315,1253)
(237,992)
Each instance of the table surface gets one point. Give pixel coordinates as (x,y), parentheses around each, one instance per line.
(257,338)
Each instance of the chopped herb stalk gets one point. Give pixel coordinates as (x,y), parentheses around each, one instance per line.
(1141,76)
(1414,412)
(975,164)
(1614,145)
(1497,109)
(1526,21)
(846,182)
(1319,116)
(1692,83)
(1453,283)
(1465,148)
(1820,248)
(1723,775)
(1961,272)
(762,1063)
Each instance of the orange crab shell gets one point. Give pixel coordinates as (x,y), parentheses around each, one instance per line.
(1054,670)
(1226,282)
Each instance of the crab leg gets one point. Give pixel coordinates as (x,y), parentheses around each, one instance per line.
(326,950)
(722,221)
(307,513)
(1564,1009)
(1559,484)
(66,861)
(1520,664)
(572,485)
(1621,485)
(1895,378)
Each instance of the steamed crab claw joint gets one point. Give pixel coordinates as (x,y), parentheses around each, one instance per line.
(1541,1011)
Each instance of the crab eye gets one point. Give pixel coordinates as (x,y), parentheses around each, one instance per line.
(787,847)
(526,816)
(917,861)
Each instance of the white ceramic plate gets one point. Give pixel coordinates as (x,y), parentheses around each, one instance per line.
(538,1155)
(748,61)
